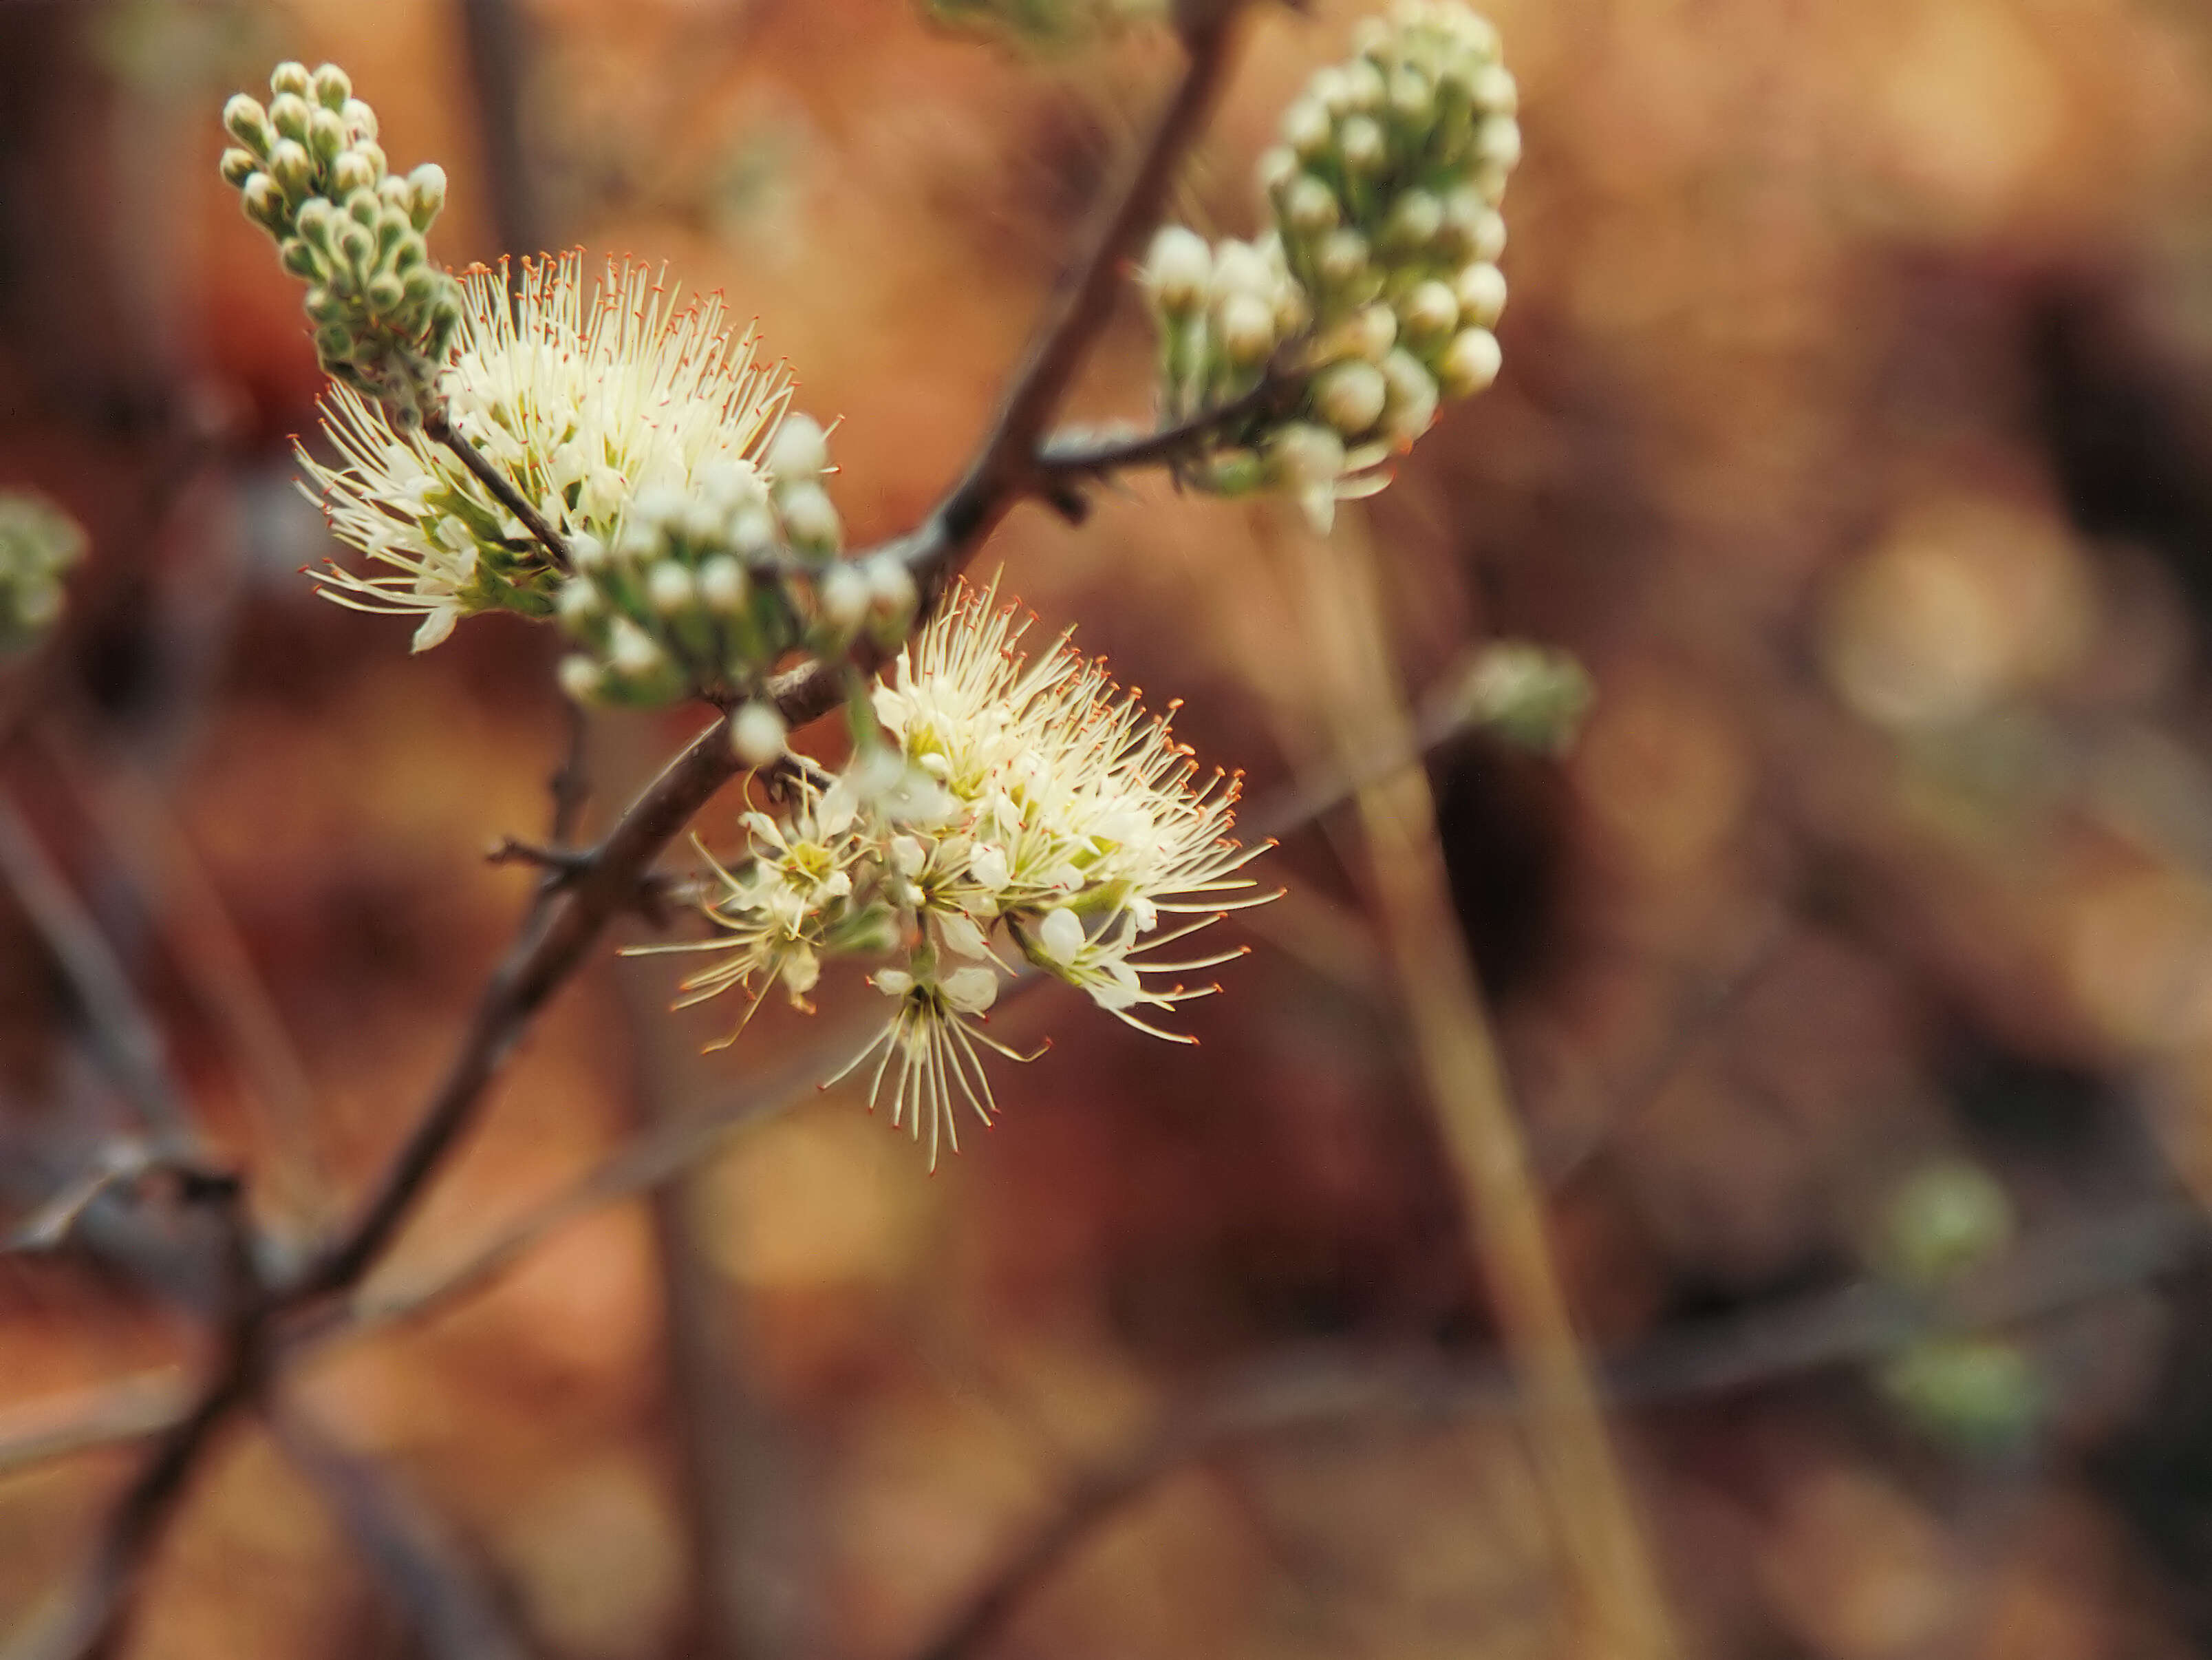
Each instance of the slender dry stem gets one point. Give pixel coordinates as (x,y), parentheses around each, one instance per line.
(1620,1610)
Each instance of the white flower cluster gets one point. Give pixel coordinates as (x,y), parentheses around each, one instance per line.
(700,594)
(309,170)
(1374,295)
(38,544)
(1030,807)
(588,406)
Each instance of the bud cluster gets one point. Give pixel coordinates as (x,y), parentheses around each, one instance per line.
(309,171)
(38,542)
(702,591)
(1374,297)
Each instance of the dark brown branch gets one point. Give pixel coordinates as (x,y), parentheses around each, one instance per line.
(1063,461)
(437,428)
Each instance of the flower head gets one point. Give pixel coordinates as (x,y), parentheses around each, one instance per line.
(584,403)
(1021,808)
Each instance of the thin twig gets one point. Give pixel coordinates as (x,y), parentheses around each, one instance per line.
(1069,457)
(1316,1391)
(428,1571)
(123,1034)
(440,429)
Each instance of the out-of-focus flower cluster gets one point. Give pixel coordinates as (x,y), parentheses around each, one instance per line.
(1373,297)
(309,171)
(1020,809)
(38,544)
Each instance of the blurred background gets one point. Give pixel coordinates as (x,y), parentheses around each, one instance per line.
(1853,972)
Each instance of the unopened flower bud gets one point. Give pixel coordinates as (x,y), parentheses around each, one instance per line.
(1412,406)
(1277,167)
(1307,128)
(892,595)
(722,585)
(1247,324)
(1365,90)
(1415,219)
(1349,395)
(669,588)
(1343,259)
(1429,312)
(844,597)
(350,173)
(1496,92)
(1470,363)
(1360,143)
(1480,291)
(244,119)
(758,733)
(385,293)
(263,201)
(810,518)
(360,120)
(326,133)
(426,190)
(292,167)
(1240,268)
(1330,89)
(800,452)
(1413,100)
(1305,456)
(333,88)
(238,167)
(1310,206)
(289,114)
(581,678)
(752,529)
(634,653)
(292,79)
(1498,141)
(1177,269)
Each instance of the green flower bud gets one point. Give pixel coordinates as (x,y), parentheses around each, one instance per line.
(427,188)
(289,114)
(893,598)
(291,80)
(809,518)
(244,119)
(373,153)
(1303,456)
(1470,363)
(581,679)
(1415,219)
(333,342)
(1532,696)
(1413,100)
(670,589)
(299,259)
(1310,206)
(844,598)
(1429,312)
(1350,396)
(1495,90)
(238,167)
(1979,1394)
(360,122)
(758,733)
(293,168)
(723,585)
(1307,128)
(385,293)
(263,202)
(331,88)
(1246,325)
(1498,141)
(1480,291)
(1178,270)
(1365,90)
(364,208)
(326,134)
(349,172)
(1342,262)
(1943,1220)
(1412,404)
(1359,142)
(578,602)
(799,454)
